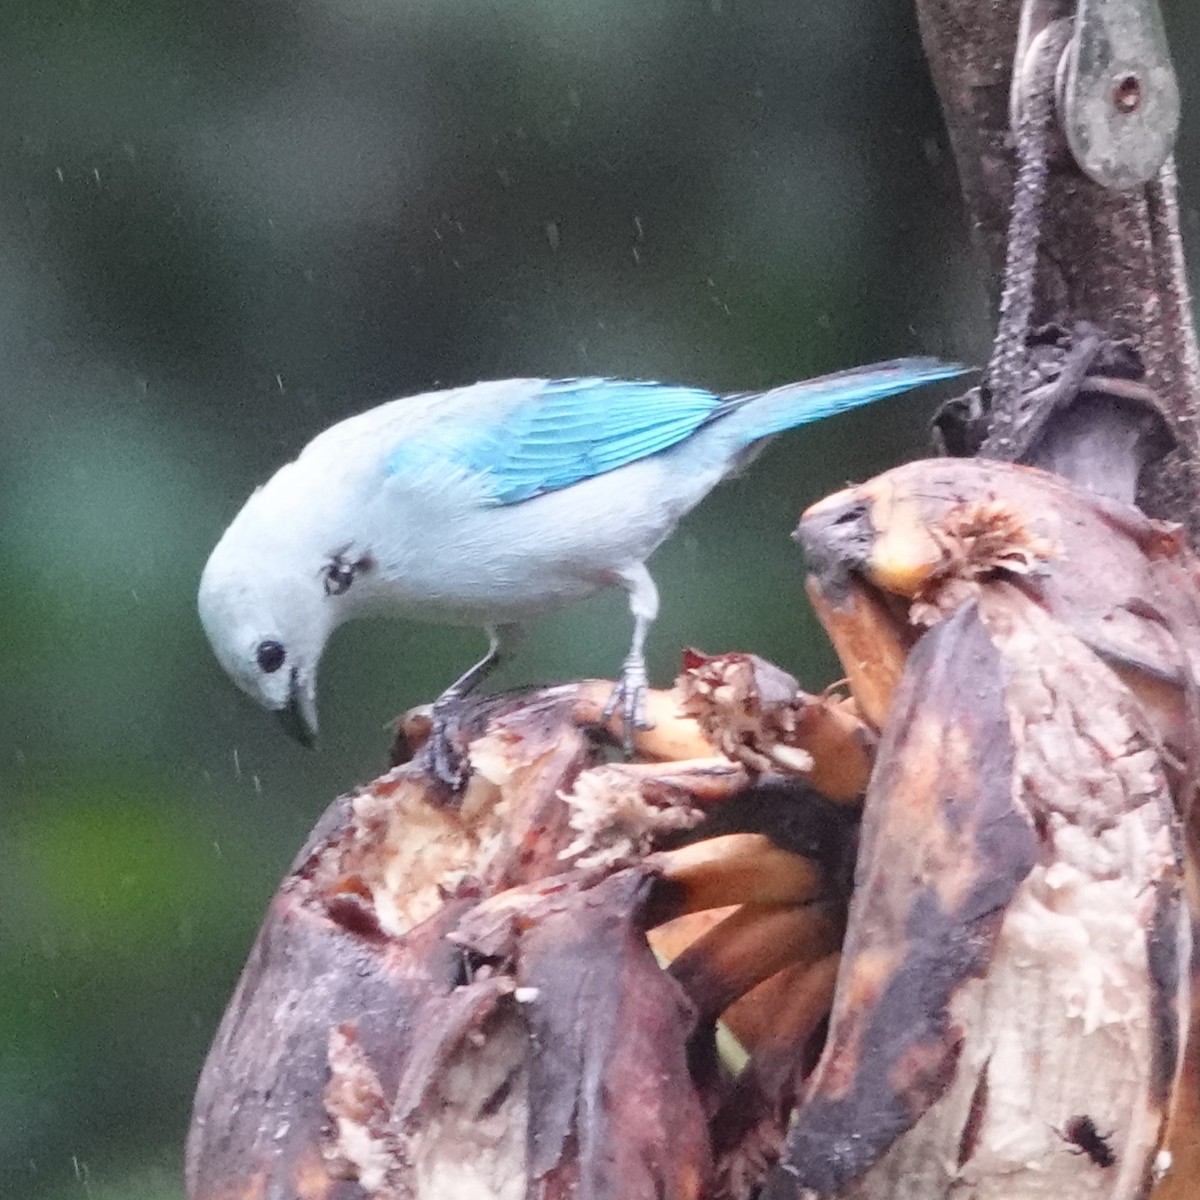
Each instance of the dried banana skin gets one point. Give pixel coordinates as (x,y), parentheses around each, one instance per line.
(1016,967)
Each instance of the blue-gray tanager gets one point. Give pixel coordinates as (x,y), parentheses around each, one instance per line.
(485,506)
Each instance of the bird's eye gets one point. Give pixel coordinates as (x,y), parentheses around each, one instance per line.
(340,572)
(270,656)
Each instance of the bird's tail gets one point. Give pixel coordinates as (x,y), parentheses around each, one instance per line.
(762,414)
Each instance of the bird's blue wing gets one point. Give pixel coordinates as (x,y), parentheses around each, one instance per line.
(519,439)
(565,431)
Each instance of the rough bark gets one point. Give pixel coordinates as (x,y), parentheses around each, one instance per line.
(1112,259)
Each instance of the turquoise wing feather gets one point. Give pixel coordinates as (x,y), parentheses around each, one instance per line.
(566,431)
(569,430)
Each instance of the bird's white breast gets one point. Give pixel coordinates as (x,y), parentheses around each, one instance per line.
(445,554)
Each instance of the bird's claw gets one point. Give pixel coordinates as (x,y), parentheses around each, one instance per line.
(441,756)
(629,696)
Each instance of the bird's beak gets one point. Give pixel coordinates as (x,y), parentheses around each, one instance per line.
(299,716)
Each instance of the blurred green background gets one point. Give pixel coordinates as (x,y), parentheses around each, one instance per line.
(224,224)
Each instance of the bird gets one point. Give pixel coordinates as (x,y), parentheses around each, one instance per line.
(488,505)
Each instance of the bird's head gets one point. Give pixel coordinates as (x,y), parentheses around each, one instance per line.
(274,588)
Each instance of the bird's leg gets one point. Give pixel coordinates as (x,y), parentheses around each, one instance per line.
(630,693)
(441,754)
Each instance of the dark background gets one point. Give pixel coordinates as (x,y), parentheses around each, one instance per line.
(225,225)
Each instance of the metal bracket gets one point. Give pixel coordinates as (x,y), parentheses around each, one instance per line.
(1119,103)
(1118,100)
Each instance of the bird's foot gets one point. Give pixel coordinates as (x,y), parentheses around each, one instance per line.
(629,696)
(442,755)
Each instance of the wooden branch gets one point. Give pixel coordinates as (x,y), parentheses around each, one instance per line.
(1113,259)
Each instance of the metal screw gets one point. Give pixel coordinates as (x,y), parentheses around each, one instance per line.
(1127,95)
